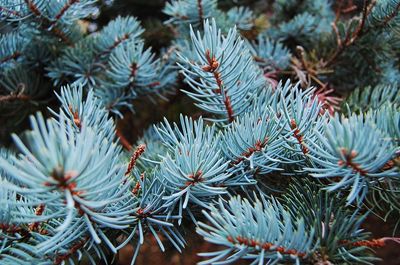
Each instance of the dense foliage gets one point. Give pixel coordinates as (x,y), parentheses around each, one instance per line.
(293,144)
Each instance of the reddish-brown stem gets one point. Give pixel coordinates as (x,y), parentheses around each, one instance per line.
(298,136)
(38,211)
(251,150)
(64,9)
(200,9)
(35,10)
(212,67)
(349,9)
(74,248)
(113,46)
(360,27)
(338,39)
(138,152)
(195,178)
(137,187)
(64,183)
(349,161)
(14,97)
(12,12)
(124,142)
(76,118)
(13,56)
(141,214)
(372,243)
(228,106)
(134,69)
(392,163)
(264,245)
(62,36)
(338,10)
(350,38)
(391,16)
(13,229)
(154,84)
(33,227)
(47,24)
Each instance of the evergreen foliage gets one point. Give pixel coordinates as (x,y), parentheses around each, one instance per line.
(294,142)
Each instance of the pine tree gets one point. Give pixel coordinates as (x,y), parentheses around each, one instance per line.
(292,144)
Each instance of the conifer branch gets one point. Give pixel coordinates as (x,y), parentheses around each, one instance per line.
(60,259)
(391,16)
(349,156)
(350,38)
(373,243)
(109,49)
(68,196)
(13,56)
(63,10)
(387,19)
(212,68)
(298,136)
(267,246)
(10,11)
(38,211)
(259,145)
(47,24)
(200,9)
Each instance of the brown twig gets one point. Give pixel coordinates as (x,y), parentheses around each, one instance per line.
(14,97)
(350,38)
(338,10)
(366,10)
(113,46)
(64,182)
(373,243)
(125,143)
(349,161)
(64,9)
(212,67)
(391,16)
(298,136)
(194,179)
(13,56)
(38,212)
(134,69)
(338,39)
(13,12)
(264,245)
(74,248)
(35,10)
(47,24)
(13,228)
(258,146)
(200,9)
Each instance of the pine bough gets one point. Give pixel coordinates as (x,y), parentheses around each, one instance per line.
(70,192)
